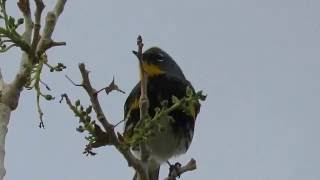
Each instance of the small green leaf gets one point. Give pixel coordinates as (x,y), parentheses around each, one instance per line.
(80,129)
(89,109)
(189,92)
(88,119)
(81,108)
(48,97)
(11,21)
(77,103)
(175,100)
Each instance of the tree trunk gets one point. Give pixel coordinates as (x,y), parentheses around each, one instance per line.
(5,112)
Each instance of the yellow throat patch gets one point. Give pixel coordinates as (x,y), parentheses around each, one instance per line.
(151,69)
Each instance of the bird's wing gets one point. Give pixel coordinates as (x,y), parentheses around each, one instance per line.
(130,107)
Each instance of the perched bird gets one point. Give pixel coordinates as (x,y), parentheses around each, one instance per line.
(165,79)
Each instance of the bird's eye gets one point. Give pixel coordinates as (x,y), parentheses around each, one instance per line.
(160,57)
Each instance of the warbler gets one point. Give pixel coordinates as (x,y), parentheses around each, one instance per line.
(165,79)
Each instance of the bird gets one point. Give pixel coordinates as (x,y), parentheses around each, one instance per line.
(165,79)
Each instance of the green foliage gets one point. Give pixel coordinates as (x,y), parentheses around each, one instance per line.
(143,131)
(96,136)
(34,82)
(9,37)
(87,124)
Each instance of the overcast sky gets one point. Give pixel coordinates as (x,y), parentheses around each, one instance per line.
(258,61)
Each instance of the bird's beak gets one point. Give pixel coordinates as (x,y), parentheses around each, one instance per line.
(136,53)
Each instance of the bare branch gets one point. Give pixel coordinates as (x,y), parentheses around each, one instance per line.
(24,7)
(37,25)
(94,100)
(144,101)
(45,41)
(178,170)
(47,44)
(111,87)
(54,43)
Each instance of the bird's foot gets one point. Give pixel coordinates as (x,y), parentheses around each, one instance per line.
(174,169)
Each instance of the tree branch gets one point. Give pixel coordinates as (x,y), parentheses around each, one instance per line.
(178,170)
(5,112)
(94,99)
(45,41)
(37,25)
(123,143)
(28,58)
(24,7)
(144,101)
(109,128)
(10,93)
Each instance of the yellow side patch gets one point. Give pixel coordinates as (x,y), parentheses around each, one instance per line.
(193,111)
(151,69)
(134,105)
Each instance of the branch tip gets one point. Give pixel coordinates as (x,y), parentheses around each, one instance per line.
(24,6)
(177,169)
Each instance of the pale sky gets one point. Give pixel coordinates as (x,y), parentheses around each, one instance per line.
(258,61)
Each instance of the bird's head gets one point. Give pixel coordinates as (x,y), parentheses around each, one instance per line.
(156,62)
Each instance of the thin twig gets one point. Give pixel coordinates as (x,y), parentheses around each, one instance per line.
(111,87)
(46,85)
(7,48)
(72,82)
(118,123)
(24,7)
(144,101)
